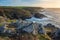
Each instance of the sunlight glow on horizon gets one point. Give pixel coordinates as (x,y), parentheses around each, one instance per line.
(36,3)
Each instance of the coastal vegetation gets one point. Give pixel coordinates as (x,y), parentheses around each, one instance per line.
(14,26)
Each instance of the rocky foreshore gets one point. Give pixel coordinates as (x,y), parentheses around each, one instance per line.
(21,28)
(26,23)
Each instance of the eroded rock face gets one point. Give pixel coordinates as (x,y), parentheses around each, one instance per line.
(57,35)
(38,15)
(2,19)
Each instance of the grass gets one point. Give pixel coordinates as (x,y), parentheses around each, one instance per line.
(4,38)
(9,21)
(1,24)
(42,37)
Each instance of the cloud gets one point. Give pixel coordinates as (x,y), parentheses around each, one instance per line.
(17,2)
(48,3)
(38,3)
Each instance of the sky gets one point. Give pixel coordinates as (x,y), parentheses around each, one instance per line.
(36,3)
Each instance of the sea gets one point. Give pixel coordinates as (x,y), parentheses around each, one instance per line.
(53,17)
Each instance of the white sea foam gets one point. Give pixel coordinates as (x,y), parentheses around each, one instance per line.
(51,18)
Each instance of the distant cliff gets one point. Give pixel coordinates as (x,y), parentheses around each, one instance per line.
(20,12)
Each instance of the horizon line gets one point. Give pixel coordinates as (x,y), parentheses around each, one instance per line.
(29,6)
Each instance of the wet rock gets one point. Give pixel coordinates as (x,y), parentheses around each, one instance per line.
(38,15)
